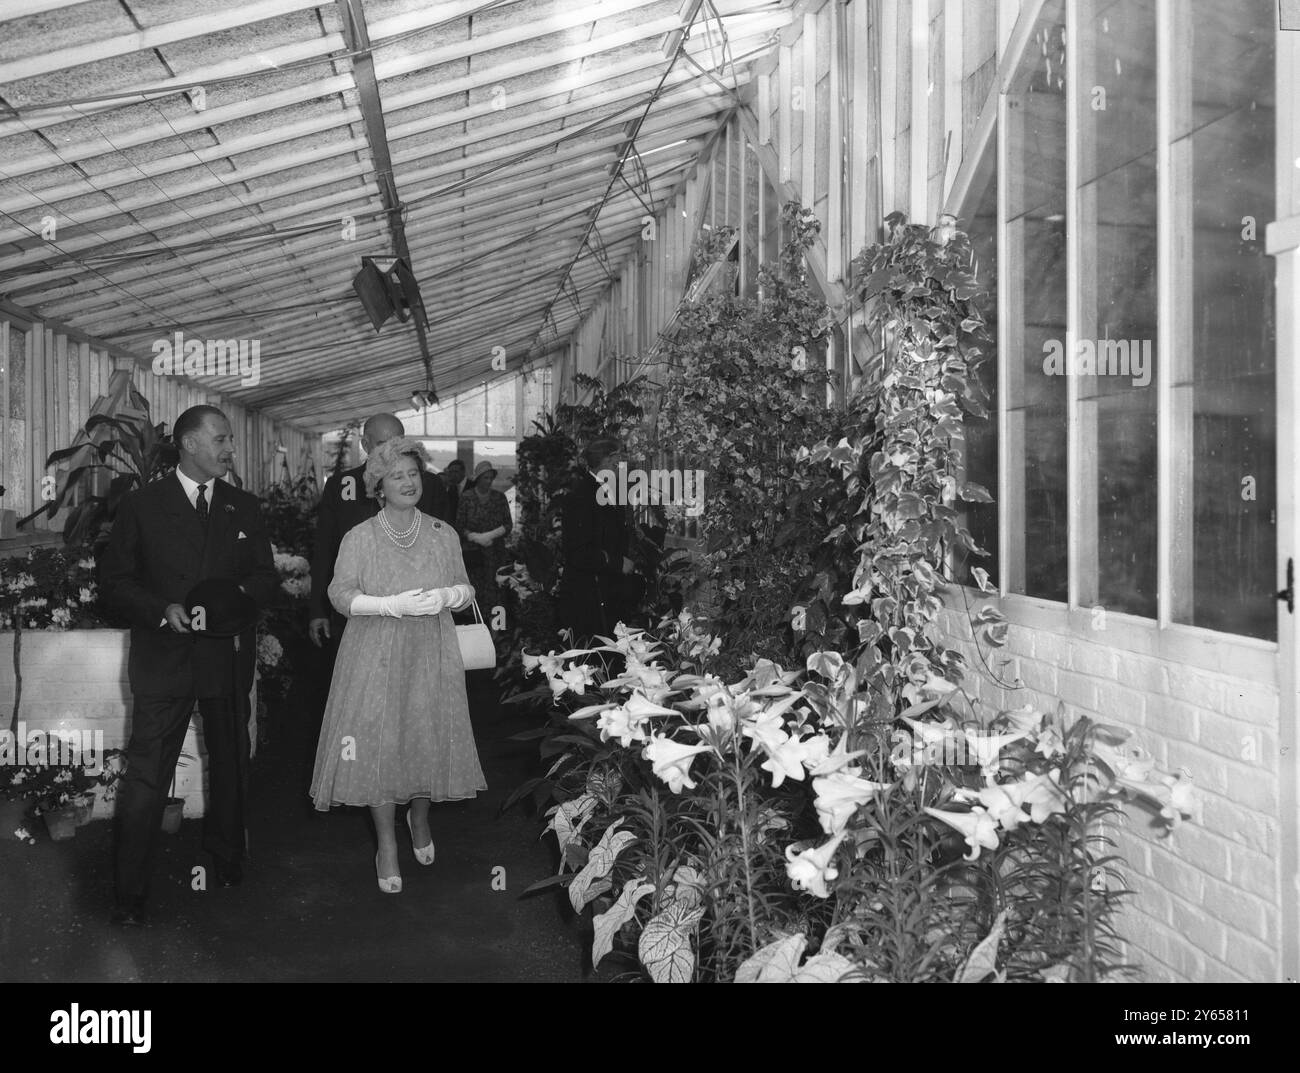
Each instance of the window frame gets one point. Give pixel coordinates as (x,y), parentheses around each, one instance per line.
(1160,636)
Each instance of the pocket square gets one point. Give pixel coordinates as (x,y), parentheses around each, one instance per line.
(241,536)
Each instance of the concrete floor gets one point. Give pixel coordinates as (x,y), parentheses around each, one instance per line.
(309,908)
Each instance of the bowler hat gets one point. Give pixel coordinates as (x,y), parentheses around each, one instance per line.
(218,607)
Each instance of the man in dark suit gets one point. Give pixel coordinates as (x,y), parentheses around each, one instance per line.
(343,504)
(169,535)
(594,538)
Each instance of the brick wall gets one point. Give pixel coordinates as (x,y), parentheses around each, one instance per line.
(1207,903)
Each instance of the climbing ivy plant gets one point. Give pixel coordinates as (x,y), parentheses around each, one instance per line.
(903,467)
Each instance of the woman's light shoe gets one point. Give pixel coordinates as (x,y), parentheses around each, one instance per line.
(388,884)
(424,856)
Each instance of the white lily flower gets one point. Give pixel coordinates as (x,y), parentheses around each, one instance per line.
(786,761)
(811,869)
(838,796)
(988,749)
(671,761)
(976,826)
(1042,795)
(622,724)
(767,730)
(821,761)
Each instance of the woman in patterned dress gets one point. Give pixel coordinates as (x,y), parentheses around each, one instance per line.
(483,518)
(396,726)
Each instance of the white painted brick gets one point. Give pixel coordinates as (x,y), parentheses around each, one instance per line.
(1238,824)
(1244,914)
(1093,660)
(1197,687)
(1052,648)
(1200,849)
(1037,675)
(1077,690)
(1166,954)
(1250,702)
(1172,719)
(1119,704)
(1178,878)
(1254,872)
(1200,930)
(1255,960)
(1216,972)
(1141,672)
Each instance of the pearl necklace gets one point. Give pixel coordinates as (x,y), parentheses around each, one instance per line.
(408,535)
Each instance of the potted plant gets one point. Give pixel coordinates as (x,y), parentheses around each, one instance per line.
(61,794)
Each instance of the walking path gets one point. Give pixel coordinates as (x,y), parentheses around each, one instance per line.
(309,908)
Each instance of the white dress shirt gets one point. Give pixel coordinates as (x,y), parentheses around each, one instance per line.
(192,489)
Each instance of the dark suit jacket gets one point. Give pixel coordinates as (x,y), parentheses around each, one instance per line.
(156,553)
(594,537)
(343,504)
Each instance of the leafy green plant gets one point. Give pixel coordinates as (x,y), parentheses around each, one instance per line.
(746,388)
(127,450)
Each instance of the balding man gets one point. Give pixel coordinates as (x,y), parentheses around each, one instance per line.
(343,504)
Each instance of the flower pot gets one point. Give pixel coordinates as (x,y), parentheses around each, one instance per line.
(62,823)
(85,809)
(173,813)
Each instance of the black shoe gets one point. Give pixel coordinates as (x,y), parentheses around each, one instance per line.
(131,916)
(228,873)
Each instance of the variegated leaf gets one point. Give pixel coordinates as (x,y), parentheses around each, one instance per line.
(827,968)
(569,818)
(775,963)
(665,945)
(602,858)
(983,959)
(618,914)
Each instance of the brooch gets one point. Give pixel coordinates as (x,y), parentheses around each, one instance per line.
(230,508)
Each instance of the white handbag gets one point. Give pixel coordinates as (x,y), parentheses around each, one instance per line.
(478,652)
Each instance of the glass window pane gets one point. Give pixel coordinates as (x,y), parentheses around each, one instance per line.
(1114,356)
(1036,306)
(978,217)
(753,175)
(1222,368)
(501,408)
(471,412)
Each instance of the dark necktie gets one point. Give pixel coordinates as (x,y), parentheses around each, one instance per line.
(201,504)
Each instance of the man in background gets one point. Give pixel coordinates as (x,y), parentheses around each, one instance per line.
(453,477)
(343,504)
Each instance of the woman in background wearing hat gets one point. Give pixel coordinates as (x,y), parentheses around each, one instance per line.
(483,518)
(396,726)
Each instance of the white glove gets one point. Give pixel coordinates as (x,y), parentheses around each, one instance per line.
(458,596)
(413,602)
